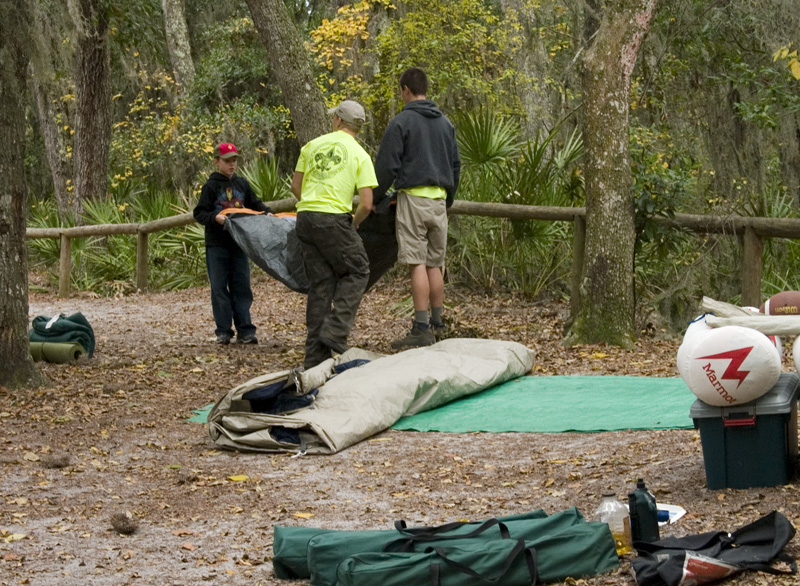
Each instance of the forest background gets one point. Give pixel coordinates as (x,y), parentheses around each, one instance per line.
(714,127)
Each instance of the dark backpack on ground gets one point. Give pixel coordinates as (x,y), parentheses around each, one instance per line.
(712,556)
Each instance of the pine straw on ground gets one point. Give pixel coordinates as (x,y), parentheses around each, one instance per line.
(110,436)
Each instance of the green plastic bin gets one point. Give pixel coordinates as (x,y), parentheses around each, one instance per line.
(753,444)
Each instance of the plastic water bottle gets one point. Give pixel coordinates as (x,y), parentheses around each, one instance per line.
(614,513)
(644,514)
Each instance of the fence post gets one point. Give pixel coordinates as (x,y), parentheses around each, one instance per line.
(141,261)
(751,267)
(64,263)
(578,246)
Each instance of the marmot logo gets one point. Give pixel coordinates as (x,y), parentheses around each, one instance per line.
(732,372)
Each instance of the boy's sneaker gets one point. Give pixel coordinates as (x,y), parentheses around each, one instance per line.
(418,336)
(223,339)
(248,339)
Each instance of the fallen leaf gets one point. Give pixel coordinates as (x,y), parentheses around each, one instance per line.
(239,478)
(304,515)
(188,546)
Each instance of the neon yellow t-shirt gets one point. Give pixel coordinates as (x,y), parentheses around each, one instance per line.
(428,191)
(334,167)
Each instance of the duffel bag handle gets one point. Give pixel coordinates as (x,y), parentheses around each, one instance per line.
(529,554)
(781,557)
(424,534)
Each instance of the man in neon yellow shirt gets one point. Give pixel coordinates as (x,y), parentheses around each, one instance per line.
(330,169)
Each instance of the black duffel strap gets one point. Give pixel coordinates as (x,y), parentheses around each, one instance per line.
(442,532)
(781,557)
(529,554)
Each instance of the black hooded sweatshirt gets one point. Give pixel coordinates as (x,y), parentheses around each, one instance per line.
(220,193)
(418,149)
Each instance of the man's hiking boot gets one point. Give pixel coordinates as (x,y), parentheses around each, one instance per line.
(248,339)
(420,335)
(439,331)
(335,346)
(223,339)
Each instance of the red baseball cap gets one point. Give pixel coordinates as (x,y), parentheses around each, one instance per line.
(225,150)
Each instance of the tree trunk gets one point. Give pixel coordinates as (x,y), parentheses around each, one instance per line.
(55,143)
(607,293)
(16,367)
(291,67)
(789,145)
(734,144)
(532,61)
(93,98)
(180,51)
(52,62)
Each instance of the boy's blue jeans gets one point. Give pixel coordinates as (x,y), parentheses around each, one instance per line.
(231,295)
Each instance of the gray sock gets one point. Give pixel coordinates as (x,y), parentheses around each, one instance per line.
(421,316)
(436,315)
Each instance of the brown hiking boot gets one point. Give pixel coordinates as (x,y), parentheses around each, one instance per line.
(440,331)
(418,336)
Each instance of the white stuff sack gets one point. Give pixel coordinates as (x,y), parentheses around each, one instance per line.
(728,365)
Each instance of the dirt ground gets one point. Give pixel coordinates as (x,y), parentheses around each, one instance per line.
(111,436)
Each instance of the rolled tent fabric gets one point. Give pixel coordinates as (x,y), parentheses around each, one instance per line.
(380,392)
(56,352)
(73,328)
(272,244)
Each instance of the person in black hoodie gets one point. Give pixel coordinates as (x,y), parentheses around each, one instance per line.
(228,266)
(419,155)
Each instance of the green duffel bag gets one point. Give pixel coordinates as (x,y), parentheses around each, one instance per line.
(586,549)
(504,562)
(291,544)
(290,550)
(328,550)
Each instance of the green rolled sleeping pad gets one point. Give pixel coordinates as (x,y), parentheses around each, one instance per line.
(56,352)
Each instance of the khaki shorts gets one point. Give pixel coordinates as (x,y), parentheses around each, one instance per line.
(421,230)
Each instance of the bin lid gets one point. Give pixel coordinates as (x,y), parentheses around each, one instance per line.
(779,399)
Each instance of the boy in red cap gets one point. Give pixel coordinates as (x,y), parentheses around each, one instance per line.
(228,267)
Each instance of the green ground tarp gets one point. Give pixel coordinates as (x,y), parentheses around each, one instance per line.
(564,403)
(557,404)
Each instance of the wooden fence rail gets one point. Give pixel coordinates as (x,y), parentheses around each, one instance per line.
(750,230)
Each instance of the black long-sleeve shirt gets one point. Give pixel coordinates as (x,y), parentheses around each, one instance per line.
(220,193)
